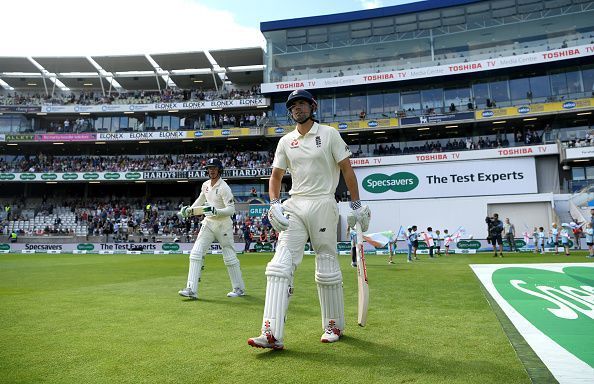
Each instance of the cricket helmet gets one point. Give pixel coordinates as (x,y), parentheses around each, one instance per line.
(301,94)
(214,162)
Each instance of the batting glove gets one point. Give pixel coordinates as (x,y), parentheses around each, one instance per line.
(210,211)
(360,214)
(277,216)
(184,212)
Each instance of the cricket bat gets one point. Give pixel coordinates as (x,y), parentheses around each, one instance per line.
(362,278)
(197,211)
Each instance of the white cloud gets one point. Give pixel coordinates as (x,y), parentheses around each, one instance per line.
(370,4)
(118,27)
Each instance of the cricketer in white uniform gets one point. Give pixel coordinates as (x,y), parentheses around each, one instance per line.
(217,198)
(315,155)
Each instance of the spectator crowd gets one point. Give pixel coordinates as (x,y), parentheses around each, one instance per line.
(92,97)
(48,163)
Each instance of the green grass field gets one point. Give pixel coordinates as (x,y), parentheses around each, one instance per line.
(118,319)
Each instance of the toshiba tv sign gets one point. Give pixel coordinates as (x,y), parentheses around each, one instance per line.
(432,71)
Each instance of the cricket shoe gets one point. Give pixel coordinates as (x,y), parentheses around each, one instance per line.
(236,292)
(354,265)
(331,335)
(266,340)
(187,292)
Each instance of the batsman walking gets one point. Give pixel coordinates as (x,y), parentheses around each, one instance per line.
(315,155)
(217,204)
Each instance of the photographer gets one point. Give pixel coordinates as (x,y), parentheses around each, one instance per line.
(495,227)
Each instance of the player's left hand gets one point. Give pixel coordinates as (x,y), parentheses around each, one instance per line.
(360,215)
(184,212)
(276,215)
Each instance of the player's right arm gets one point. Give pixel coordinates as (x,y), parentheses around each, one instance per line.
(279,165)
(201,199)
(276,212)
(274,184)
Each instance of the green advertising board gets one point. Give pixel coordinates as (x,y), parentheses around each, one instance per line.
(257,210)
(263,247)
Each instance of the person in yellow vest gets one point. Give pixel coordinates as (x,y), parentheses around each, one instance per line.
(13,237)
(7,210)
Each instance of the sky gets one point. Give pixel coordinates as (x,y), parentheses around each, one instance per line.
(122,27)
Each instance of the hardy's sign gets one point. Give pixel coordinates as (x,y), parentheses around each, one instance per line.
(132,176)
(467,178)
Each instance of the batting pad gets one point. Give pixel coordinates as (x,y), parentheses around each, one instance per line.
(329,282)
(194,273)
(277,299)
(229,255)
(235,276)
(196,261)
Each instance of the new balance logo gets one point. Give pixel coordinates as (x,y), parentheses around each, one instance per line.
(322,229)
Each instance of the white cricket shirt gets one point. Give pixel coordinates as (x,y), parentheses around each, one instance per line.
(312,160)
(218,196)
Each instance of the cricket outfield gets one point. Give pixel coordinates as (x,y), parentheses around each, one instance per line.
(117,318)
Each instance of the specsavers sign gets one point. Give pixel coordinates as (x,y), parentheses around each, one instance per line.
(463,178)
